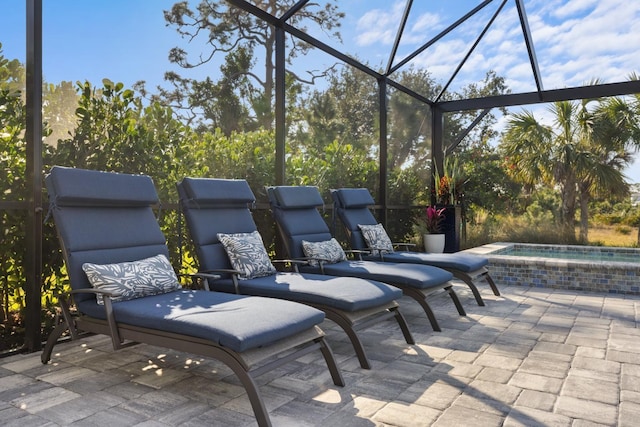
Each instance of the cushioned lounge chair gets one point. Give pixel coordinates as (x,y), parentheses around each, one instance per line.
(107,228)
(351,205)
(298,219)
(218,208)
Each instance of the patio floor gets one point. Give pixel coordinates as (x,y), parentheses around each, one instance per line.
(532,357)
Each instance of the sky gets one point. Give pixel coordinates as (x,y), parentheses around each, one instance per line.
(575,41)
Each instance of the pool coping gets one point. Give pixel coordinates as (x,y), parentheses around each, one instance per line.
(492,250)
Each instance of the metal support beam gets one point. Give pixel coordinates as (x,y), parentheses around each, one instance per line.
(524,22)
(473,47)
(396,43)
(464,133)
(293,10)
(438,37)
(383,156)
(280,110)
(529,98)
(33,261)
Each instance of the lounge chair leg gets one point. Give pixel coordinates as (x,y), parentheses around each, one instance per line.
(51,341)
(456,300)
(474,289)
(403,325)
(67,324)
(250,386)
(347,327)
(329,358)
(494,288)
(422,300)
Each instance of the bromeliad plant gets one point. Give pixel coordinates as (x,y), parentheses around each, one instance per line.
(434,220)
(448,185)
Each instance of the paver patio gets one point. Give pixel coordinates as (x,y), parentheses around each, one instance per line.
(532,357)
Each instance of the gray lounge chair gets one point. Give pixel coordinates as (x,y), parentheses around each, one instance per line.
(106,226)
(295,211)
(213,207)
(352,207)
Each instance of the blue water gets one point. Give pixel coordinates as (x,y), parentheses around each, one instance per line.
(577,253)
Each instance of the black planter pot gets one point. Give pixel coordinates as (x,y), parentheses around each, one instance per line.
(451,227)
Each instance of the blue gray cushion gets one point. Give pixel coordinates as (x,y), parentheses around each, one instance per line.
(216,192)
(81,187)
(329,251)
(377,239)
(353,197)
(342,293)
(399,274)
(234,321)
(129,280)
(297,197)
(247,254)
(457,261)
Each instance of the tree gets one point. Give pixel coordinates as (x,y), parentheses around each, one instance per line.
(409,124)
(12,187)
(59,106)
(244,94)
(538,155)
(609,129)
(488,185)
(346,111)
(579,154)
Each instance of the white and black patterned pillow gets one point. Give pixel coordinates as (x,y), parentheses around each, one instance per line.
(329,251)
(376,238)
(129,280)
(247,254)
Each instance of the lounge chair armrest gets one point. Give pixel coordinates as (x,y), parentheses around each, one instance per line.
(293,262)
(283,261)
(405,245)
(94,291)
(220,271)
(116,340)
(200,280)
(358,252)
(216,274)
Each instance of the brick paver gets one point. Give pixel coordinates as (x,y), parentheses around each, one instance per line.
(532,357)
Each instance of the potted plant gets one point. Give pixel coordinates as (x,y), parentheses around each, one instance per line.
(448,185)
(448,194)
(434,238)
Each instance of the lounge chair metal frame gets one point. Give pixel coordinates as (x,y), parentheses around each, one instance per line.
(247,364)
(350,321)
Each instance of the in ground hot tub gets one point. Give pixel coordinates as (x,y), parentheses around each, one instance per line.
(572,267)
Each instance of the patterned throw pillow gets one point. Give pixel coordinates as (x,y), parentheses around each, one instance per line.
(376,238)
(247,254)
(329,251)
(129,280)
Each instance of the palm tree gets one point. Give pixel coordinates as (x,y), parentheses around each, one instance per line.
(583,153)
(540,154)
(610,130)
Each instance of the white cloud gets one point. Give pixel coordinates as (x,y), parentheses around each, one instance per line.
(573,7)
(575,41)
(426,21)
(379,26)
(594,39)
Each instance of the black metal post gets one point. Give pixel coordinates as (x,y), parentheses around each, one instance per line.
(384,156)
(33,261)
(280,113)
